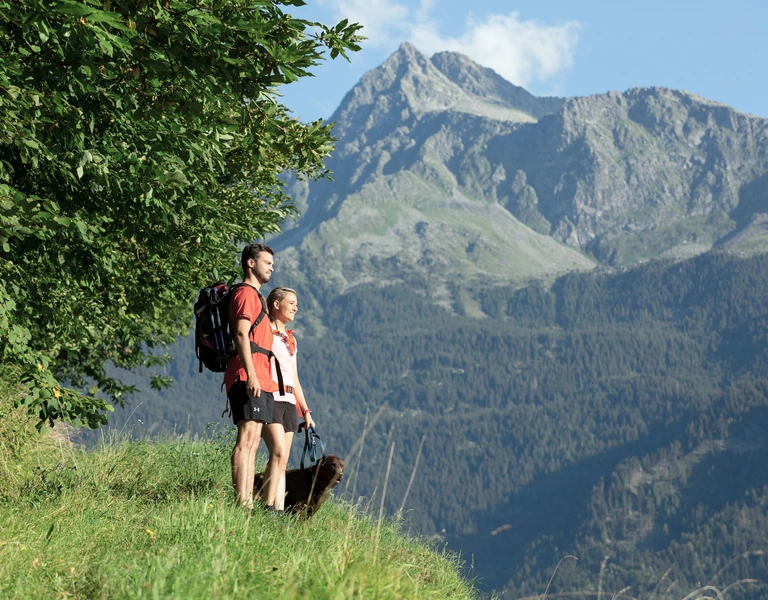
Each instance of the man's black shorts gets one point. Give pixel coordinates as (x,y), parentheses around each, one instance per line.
(285,414)
(248,408)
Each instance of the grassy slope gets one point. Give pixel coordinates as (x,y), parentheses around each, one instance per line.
(155,520)
(405,223)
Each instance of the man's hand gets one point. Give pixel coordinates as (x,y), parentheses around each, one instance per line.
(243,347)
(252,386)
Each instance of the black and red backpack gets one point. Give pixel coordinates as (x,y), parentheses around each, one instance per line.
(214,344)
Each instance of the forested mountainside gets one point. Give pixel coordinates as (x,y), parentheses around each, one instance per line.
(619,415)
(608,415)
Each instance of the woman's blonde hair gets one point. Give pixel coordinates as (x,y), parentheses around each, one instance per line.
(278,295)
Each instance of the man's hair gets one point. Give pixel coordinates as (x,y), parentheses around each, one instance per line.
(278,295)
(253,251)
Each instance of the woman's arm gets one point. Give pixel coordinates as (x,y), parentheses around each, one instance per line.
(301,402)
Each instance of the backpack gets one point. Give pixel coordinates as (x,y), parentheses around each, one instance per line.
(214,344)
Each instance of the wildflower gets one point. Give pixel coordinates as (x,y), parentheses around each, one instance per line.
(56,392)
(151,533)
(40,367)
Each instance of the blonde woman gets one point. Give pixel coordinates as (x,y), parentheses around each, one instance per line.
(283,305)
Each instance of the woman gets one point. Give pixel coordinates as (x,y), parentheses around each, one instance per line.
(283,305)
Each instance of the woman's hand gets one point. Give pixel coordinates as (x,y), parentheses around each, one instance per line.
(308,421)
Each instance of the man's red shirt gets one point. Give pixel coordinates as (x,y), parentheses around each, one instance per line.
(246,304)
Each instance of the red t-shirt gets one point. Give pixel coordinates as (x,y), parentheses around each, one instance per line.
(246,304)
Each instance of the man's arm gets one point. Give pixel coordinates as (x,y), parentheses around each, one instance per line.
(243,347)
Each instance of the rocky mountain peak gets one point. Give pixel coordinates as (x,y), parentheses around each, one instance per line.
(405,86)
(409,85)
(481,81)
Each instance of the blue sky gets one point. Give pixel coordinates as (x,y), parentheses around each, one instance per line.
(716,49)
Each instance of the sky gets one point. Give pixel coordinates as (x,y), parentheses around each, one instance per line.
(713,48)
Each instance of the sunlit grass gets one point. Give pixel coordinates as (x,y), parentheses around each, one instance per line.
(143,519)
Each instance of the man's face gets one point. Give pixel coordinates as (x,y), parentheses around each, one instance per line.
(263,267)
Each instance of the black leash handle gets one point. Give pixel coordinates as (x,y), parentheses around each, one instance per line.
(312,443)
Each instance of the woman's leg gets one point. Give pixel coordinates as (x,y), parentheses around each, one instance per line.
(274,437)
(280,495)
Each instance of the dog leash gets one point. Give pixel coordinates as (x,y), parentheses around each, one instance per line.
(312,443)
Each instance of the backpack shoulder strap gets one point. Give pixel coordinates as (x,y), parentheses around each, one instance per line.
(263,312)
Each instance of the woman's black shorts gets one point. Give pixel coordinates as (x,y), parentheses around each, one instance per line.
(285,414)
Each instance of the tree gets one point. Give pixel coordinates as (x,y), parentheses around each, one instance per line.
(141,144)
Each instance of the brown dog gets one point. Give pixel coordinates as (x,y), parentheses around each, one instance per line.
(307,489)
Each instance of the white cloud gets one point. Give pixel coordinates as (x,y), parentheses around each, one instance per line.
(523,52)
(383,22)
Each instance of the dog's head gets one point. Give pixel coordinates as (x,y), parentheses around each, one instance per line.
(328,473)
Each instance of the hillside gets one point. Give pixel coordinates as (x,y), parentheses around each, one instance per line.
(156,519)
(620,415)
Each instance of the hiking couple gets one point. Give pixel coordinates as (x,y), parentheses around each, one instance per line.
(258,408)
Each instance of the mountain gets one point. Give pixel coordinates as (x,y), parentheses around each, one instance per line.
(399,203)
(565,299)
(444,167)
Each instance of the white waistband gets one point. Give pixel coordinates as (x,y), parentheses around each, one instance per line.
(287,398)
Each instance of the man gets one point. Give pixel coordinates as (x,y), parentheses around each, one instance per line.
(248,376)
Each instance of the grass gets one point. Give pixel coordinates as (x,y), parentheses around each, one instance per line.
(143,519)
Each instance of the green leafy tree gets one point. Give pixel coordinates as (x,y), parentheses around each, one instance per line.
(141,143)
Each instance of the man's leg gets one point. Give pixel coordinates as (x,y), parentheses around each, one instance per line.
(243,460)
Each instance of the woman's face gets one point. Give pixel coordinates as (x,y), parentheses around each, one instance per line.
(286,309)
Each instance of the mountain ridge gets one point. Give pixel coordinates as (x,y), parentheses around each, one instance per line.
(610,179)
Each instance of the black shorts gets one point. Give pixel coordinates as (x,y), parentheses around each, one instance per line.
(248,408)
(285,414)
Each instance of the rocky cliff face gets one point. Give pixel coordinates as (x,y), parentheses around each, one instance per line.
(634,176)
(446,170)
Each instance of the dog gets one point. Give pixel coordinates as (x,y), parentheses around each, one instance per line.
(307,489)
